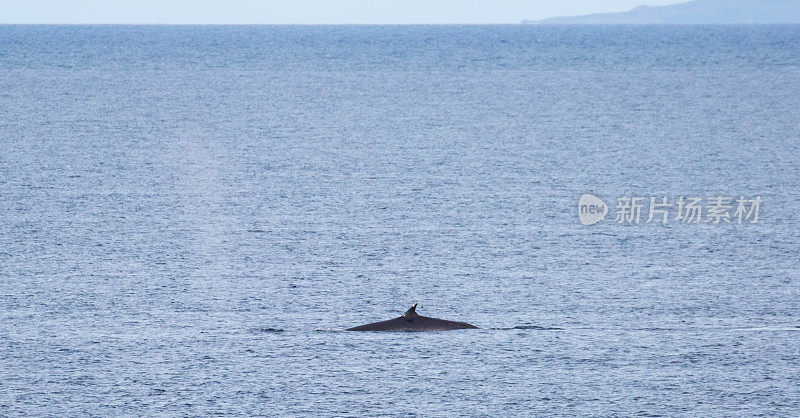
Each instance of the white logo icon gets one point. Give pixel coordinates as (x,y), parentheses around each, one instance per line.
(591,209)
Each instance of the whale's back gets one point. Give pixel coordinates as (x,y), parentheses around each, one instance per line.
(411,321)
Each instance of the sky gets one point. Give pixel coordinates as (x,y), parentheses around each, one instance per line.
(303,11)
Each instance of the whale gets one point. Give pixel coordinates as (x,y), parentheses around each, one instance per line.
(412,321)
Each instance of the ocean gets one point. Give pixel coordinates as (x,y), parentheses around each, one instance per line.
(190,216)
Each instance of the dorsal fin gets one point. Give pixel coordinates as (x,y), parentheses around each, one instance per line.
(411,312)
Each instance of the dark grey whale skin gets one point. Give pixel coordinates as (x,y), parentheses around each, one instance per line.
(411,321)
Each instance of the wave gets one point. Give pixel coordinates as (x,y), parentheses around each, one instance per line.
(534,327)
(268,330)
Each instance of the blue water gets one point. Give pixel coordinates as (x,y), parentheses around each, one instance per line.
(190,216)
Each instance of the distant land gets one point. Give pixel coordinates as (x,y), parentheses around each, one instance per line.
(694,12)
